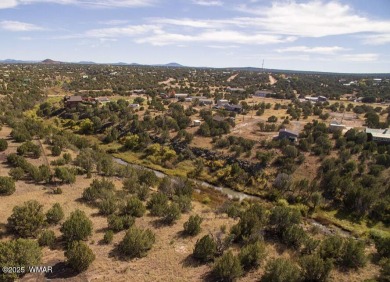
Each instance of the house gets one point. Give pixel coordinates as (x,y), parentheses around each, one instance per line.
(287,134)
(378,135)
(311,99)
(204,102)
(222,102)
(233,108)
(263,93)
(218,118)
(196,122)
(188,99)
(102,100)
(139,91)
(72,101)
(335,126)
(134,106)
(230,89)
(181,95)
(322,99)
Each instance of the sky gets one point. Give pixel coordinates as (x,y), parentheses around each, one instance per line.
(314,35)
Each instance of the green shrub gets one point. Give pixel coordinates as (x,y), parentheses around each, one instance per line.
(353,254)
(294,236)
(157,204)
(205,249)
(314,268)
(3,145)
(382,245)
(27,220)
(7,185)
(184,203)
(16,173)
(56,150)
(77,227)
(79,256)
(331,248)
(134,207)
(136,243)
(108,206)
(252,255)
(55,214)
(283,217)
(227,267)
(171,213)
(385,271)
(119,223)
(192,226)
(108,236)
(20,252)
(47,238)
(281,270)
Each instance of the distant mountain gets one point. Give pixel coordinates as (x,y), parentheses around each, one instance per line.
(176,65)
(50,62)
(120,64)
(86,63)
(12,61)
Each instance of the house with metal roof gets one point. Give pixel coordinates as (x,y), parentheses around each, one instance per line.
(287,134)
(378,135)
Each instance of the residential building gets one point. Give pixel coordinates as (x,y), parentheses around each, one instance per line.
(263,93)
(72,101)
(222,102)
(378,135)
(287,134)
(335,126)
(102,100)
(233,108)
(181,95)
(134,106)
(204,102)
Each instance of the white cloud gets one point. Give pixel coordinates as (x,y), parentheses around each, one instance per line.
(366,57)
(312,19)
(326,50)
(86,3)
(4,4)
(18,26)
(208,2)
(214,36)
(377,39)
(126,31)
(114,22)
(188,22)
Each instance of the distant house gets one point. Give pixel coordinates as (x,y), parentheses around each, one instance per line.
(72,101)
(335,126)
(263,93)
(102,100)
(139,91)
(230,89)
(222,102)
(287,134)
(204,102)
(188,99)
(219,118)
(322,99)
(311,99)
(134,106)
(233,108)
(378,135)
(181,95)
(196,122)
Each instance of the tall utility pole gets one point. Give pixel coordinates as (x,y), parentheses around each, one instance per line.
(262,67)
